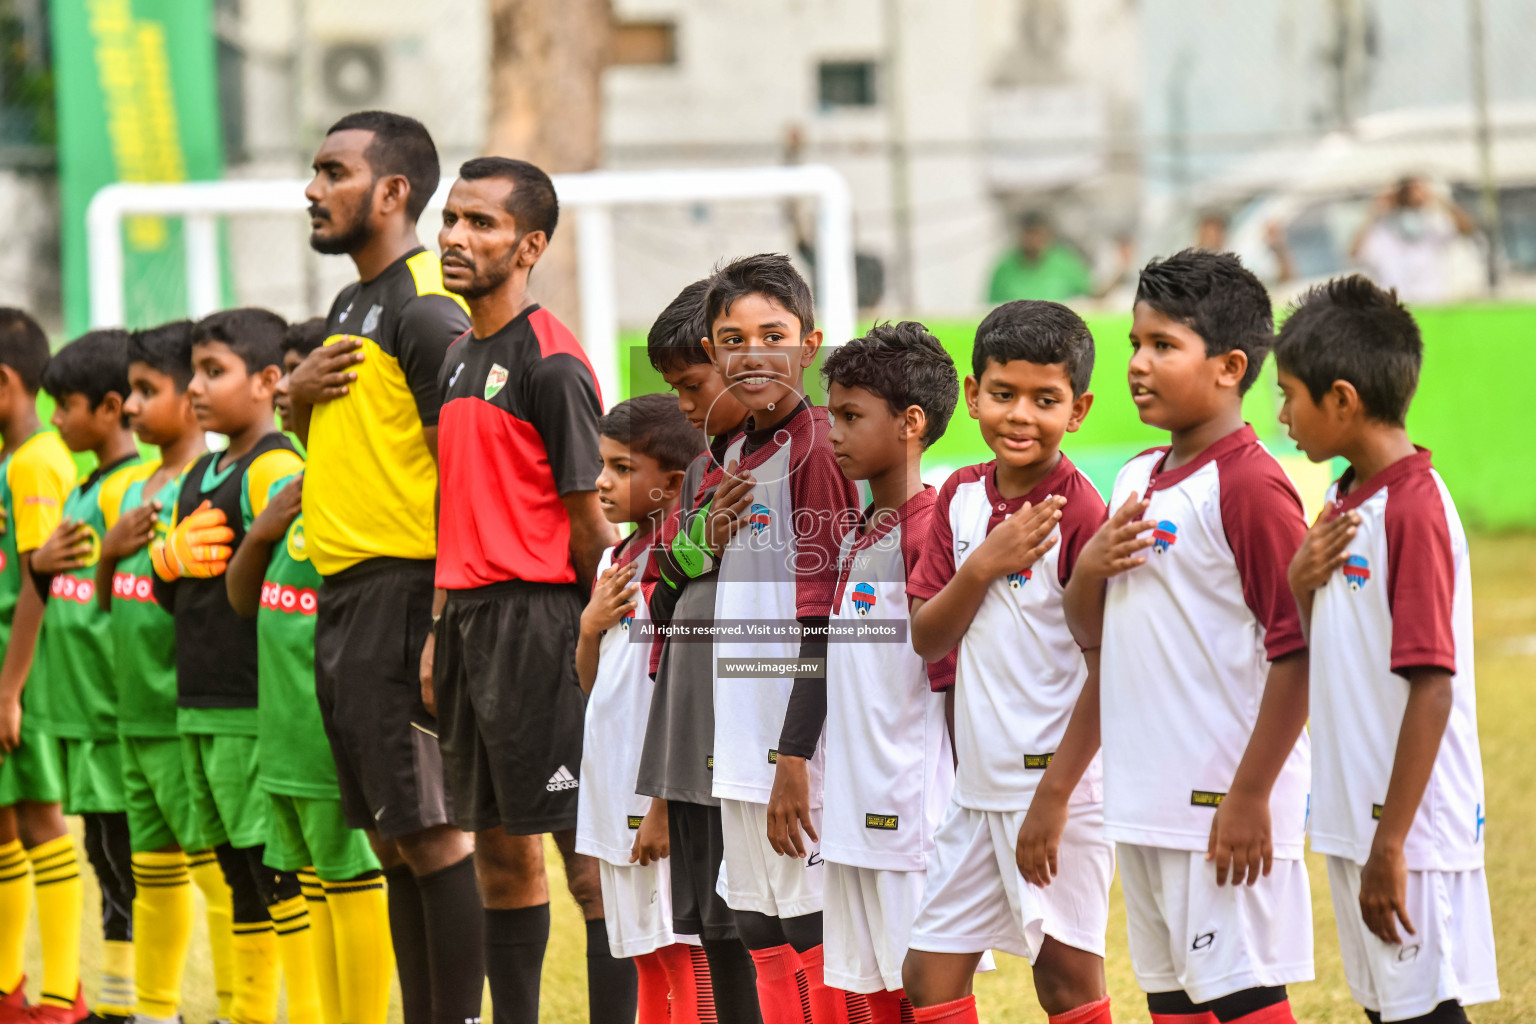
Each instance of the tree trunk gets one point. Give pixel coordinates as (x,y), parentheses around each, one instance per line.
(547,60)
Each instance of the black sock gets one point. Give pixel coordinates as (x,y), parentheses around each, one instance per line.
(613,987)
(734,980)
(245,895)
(514,958)
(450,907)
(803,932)
(408,934)
(1249,1000)
(107,848)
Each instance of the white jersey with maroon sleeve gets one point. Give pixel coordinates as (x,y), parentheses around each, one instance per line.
(1402,600)
(1019,671)
(889,768)
(609,810)
(1188,637)
(780,566)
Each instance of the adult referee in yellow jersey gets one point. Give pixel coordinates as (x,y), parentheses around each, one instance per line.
(366,405)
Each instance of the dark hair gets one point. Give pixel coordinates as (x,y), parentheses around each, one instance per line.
(305,336)
(167,348)
(653,426)
(23,347)
(769,274)
(676,338)
(532,203)
(1036,332)
(1215,296)
(401,145)
(255,335)
(94,365)
(1351,330)
(903,364)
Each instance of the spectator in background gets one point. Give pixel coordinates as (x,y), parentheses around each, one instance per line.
(1040,267)
(1408,240)
(1211,235)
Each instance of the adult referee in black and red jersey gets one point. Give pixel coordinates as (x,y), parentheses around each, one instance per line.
(519,538)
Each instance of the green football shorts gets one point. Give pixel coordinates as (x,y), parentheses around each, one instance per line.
(221,776)
(32,771)
(160,808)
(304,832)
(93,776)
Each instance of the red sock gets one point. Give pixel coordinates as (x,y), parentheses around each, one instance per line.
(1089,1013)
(889,1007)
(690,992)
(959,1011)
(1205,1017)
(703,986)
(1275,1013)
(780,993)
(830,1005)
(652,989)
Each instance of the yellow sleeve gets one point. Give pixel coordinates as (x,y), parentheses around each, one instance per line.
(110,497)
(267,469)
(40,477)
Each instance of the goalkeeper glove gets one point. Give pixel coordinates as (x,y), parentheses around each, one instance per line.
(197,547)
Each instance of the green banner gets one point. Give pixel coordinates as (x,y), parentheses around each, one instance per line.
(138,100)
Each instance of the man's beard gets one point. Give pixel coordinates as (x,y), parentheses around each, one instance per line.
(344,244)
(483,284)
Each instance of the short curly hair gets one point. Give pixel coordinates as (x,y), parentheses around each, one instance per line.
(903,364)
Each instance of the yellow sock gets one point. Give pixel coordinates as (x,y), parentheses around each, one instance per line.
(162,930)
(209,879)
(56,879)
(365,957)
(15,907)
(291,919)
(256,973)
(114,987)
(322,941)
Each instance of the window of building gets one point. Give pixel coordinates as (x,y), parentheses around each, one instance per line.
(845,83)
(645,42)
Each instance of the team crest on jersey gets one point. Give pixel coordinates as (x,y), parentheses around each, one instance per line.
(495,381)
(863,598)
(371,320)
(1018,579)
(760,518)
(625,622)
(1357,572)
(1164,535)
(296,548)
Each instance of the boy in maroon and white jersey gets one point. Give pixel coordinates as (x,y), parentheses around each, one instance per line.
(988,586)
(1203,664)
(1385,587)
(889,765)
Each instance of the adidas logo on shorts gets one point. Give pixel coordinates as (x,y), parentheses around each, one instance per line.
(562,779)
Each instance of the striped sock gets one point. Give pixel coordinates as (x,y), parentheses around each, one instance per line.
(15,908)
(322,944)
(162,930)
(203,865)
(291,919)
(254,945)
(365,959)
(60,896)
(114,987)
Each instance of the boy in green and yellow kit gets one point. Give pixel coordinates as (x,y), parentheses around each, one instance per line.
(170,852)
(73,689)
(270,577)
(36,474)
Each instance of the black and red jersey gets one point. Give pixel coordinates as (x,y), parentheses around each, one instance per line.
(518,430)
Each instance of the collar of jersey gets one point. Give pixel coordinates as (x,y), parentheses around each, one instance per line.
(1418,462)
(1159,480)
(213,476)
(892,519)
(1042,490)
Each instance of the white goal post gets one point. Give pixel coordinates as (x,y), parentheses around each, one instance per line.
(592,196)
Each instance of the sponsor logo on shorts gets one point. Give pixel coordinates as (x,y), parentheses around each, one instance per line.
(635,820)
(709,762)
(1481,821)
(1375,812)
(1038,762)
(883,822)
(1205,798)
(1203,941)
(561,780)
(1406,954)
(773,757)
(814,860)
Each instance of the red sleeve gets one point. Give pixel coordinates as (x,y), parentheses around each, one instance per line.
(1264,523)
(1421,577)
(917,536)
(1081,518)
(934,564)
(826,503)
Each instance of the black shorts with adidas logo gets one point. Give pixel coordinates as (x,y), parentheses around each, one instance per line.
(509,706)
